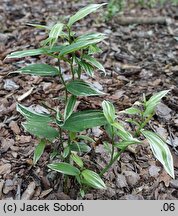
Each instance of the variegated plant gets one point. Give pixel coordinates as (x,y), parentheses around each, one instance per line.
(63,44)
(143,111)
(77,51)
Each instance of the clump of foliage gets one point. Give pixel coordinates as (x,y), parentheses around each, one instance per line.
(139,116)
(114,7)
(63,44)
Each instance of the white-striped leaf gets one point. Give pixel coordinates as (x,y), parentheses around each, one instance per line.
(124,144)
(92,179)
(69,106)
(86,138)
(90,37)
(39,151)
(66,152)
(81,88)
(40,129)
(38,26)
(40,70)
(64,168)
(80,147)
(93,49)
(160,150)
(94,62)
(34,52)
(83,13)
(56,30)
(122,133)
(83,120)
(153,102)
(109,111)
(79,45)
(54,33)
(131,111)
(29,114)
(88,68)
(38,124)
(77,160)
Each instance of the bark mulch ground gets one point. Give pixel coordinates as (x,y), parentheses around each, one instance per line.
(139,58)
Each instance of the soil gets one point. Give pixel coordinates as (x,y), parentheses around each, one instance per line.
(139,58)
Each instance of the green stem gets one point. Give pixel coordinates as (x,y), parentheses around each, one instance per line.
(67,159)
(59,147)
(112,153)
(71,66)
(137,133)
(79,72)
(72,60)
(111,162)
(60,135)
(66,190)
(112,143)
(69,34)
(62,80)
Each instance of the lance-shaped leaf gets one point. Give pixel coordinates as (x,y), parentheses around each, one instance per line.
(92,179)
(56,30)
(124,144)
(122,133)
(81,88)
(40,129)
(69,106)
(34,52)
(90,37)
(38,26)
(109,111)
(110,130)
(83,13)
(82,120)
(160,150)
(86,138)
(80,147)
(38,124)
(40,70)
(54,34)
(64,168)
(88,68)
(131,111)
(93,49)
(78,45)
(94,62)
(39,151)
(153,102)
(66,151)
(29,114)
(77,160)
